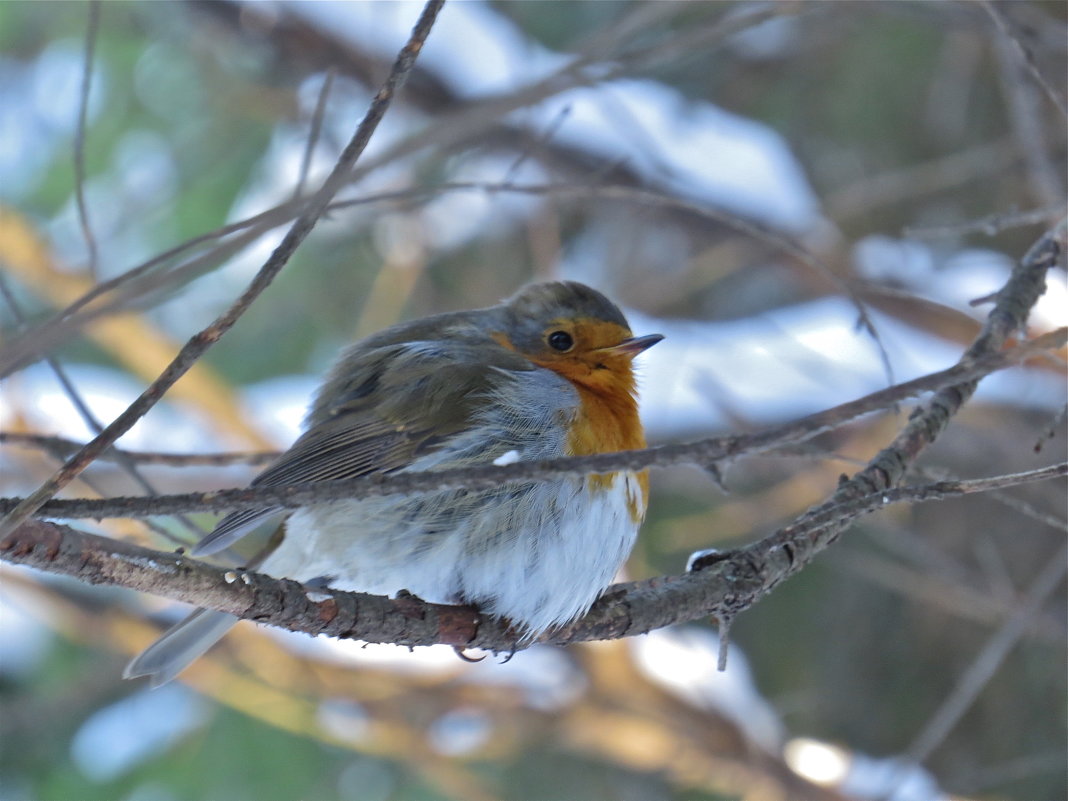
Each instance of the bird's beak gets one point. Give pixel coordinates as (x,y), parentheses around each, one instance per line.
(635,345)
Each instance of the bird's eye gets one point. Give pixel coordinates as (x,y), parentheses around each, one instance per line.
(561,341)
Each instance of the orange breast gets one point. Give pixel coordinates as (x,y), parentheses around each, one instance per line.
(607,420)
(605,423)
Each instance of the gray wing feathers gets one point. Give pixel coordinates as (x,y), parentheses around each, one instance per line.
(428,385)
(180,646)
(344,447)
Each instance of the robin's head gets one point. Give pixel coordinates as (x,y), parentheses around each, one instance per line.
(575,331)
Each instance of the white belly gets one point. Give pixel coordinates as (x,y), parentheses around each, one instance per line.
(537,554)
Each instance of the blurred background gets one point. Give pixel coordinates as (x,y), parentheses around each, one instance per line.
(746,178)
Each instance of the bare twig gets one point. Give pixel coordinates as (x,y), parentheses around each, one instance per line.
(989,659)
(947,489)
(933,589)
(1026,56)
(17,353)
(93,424)
(132,286)
(313,134)
(916,180)
(990,225)
(62,447)
(79,136)
(700,452)
(1026,117)
(205,339)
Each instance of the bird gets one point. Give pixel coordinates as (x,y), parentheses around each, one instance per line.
(546,373)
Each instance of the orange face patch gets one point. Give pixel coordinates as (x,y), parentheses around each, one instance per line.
(607,420)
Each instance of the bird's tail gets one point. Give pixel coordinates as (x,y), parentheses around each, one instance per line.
(180,646)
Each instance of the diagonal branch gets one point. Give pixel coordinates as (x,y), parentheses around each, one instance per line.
(784,553)
(200,342)
(79,136)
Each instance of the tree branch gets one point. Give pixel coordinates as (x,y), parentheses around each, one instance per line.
(779,556)
(723,585)
(701,452)
(719,584)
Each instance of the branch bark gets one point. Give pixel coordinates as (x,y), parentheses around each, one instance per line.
(723,585)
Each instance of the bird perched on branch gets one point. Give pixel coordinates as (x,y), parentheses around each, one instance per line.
(547,373)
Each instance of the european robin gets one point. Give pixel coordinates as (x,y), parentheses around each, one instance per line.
(545,374)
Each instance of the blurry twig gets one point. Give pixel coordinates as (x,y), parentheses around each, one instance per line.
(538,141)
(1026,119)
(991,224)
(685,41)
(200,343)
(908,183)
(62,447)
(933,589)
(1026,56)
(94,425)
(131,287)
(313,133)
(701,452)
(79,135)
(989,659)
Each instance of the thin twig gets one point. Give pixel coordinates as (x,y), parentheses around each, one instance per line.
(132,286)
(62,447)
(933,589)
(1026,56)
(66,323)
(1005,499)
(94,425)
(909,183)
(1025,116)
(990,225)
(988,660)
(200,343)
(313,134)
(701,452)
(940,490)
(79,136)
